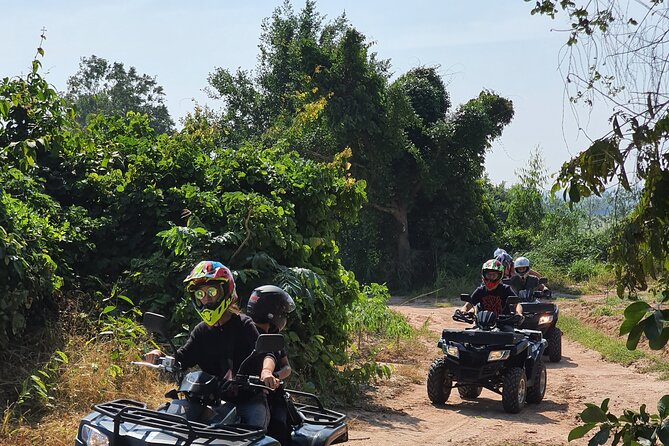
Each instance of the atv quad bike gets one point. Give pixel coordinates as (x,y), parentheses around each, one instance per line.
(505,362)
(184,421)
(542,316)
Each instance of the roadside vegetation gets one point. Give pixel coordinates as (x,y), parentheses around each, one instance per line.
(319,173)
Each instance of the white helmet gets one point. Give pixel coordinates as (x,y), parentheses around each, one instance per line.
(522,266)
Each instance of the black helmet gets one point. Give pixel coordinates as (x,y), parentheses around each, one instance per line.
(486,319)
(269,303)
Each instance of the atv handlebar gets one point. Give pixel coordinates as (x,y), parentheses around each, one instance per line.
(165,364)
(466,317)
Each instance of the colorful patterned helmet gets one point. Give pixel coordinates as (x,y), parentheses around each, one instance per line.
(522,266)
(222,290)
(492,272)
(270,304)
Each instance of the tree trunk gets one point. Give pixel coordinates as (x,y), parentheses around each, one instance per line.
(399,212)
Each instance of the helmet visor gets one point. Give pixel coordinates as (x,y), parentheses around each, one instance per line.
(491,276)
(522,270)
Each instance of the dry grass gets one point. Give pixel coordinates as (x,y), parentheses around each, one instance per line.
(83,381)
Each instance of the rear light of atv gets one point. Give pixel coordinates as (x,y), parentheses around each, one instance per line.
(498,355)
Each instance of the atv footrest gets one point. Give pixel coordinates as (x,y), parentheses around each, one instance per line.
(129,411)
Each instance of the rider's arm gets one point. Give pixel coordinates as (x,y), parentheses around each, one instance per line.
(267,373)
(285,370)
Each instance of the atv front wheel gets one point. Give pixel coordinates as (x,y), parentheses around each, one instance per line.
(469,392)
(439,382)
(536,393)
(514,391)
(554,347)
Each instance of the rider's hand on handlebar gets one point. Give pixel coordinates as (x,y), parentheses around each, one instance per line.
(153,356)
(268,378)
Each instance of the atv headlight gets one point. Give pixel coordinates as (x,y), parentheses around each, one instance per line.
(546,319)
(452,350)
(498,355)
(93,437)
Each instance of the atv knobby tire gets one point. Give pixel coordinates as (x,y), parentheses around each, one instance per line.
(554,347)
(469,391)
(439,382)
(514,390)
(536,393)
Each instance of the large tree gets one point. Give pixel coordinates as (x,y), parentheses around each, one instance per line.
(321,81)
(428,175)
(103,87)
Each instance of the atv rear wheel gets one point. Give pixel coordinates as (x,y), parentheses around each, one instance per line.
(554,347)
(469,391)
(536,393)
(439,382)
(514,390)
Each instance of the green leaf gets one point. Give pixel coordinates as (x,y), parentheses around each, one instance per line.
(601,437)
(653,326)
(593,414)
(40,50)
(659,342)
(634,336)
(663,432)
(633,314)
(62,356)
(580,431)
(663,406)
(126,299)
(120,188)
(605,405)
(108,309)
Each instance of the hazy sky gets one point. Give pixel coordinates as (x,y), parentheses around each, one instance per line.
(478,44)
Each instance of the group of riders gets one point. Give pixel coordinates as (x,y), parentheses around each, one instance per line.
(503,278)
(226,336)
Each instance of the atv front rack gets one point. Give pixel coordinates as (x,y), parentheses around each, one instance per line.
(315,414)
(479,337)
(538,307)
(129,411)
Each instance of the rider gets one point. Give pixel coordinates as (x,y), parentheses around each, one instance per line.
(220,343)
(269,306)
(525,278)
(506,260)
(492,294)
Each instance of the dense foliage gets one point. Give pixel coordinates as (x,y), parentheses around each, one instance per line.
(422,162)
(606,39)
(90,208)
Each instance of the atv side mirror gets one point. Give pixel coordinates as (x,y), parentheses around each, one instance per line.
(465,297)
(543,281)
(267,343)
(155,323)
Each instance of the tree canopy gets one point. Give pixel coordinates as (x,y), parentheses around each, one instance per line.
(103,87)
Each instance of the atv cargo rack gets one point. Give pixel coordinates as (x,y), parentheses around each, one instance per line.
(315,414)
(129,411)
(538,307)
(479,337)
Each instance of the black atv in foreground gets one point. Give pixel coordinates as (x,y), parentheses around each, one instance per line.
(185,421)
(542,316)
(505,362)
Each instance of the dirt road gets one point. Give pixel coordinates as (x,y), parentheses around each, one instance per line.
(402,414)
